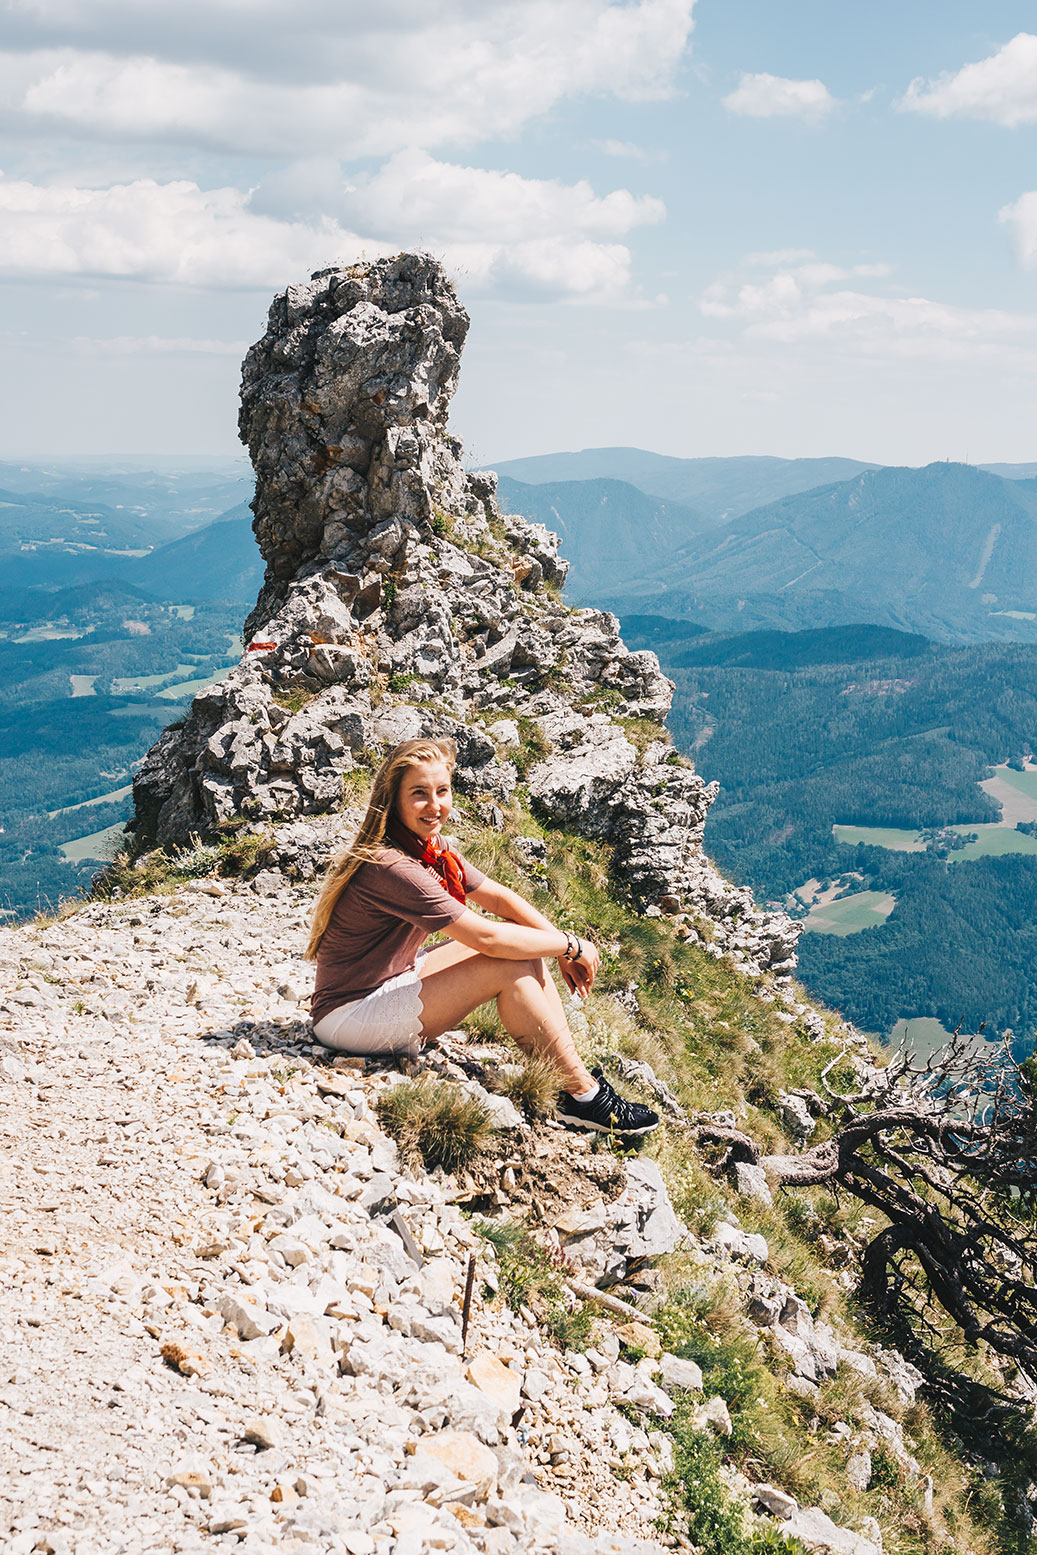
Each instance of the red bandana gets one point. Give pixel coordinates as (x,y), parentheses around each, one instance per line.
(436,857)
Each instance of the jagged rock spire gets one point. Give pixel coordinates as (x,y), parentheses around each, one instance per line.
(344,405)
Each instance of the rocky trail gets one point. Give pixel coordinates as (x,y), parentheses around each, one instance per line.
(213,1328)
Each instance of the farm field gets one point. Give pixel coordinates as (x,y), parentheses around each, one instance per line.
(924,1035)
(993,842)
(124,685)
(993,839)
(1015,792)
(879,837)
(851,914)
(98,845)
(87,804)
(188,688)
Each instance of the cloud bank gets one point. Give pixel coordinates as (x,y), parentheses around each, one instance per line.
(261,78)
(503,233)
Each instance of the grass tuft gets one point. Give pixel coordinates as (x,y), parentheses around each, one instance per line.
(434,1120)
(533,1086)
(531,1277)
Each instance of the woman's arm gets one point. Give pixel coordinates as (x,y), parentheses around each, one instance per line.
(524,932)
(506,904)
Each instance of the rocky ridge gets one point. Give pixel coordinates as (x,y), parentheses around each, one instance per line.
(399,601)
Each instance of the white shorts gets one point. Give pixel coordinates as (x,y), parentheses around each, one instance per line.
(388,1020)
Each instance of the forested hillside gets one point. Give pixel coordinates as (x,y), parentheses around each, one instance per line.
(89,675)
(805,732)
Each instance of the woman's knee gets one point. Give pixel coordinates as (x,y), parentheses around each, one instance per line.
(516,971)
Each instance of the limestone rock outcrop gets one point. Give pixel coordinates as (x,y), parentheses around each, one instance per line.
(398,600)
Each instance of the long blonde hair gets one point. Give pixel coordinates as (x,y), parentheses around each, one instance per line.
(370,839)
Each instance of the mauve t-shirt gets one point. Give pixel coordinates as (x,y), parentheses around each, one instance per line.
(379,924)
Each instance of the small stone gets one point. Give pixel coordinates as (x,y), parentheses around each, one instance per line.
(467,1516)
(307,1339)
(752,1182)
(194,1481)
(676,1373)
(713,1412)
(534,1385)
(464,1455)
(858,1470)
(250,1319)
(226,1519)
(263,1430)
(496,1380)
(775,1501)
(356,1541)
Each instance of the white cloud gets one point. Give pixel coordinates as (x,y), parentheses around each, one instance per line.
(1022,218)
(414,197)
(1002,88)
(806,303)
(257,76)
(628,149)
(772,97)
(173,233)
(502,233)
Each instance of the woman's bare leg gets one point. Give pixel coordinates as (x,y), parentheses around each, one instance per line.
(455,981)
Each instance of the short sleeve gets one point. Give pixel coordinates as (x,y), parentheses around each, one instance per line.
(406,889)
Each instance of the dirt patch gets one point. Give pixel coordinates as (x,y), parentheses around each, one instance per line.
(539,1171)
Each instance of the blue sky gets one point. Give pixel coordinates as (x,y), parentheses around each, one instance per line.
(699,226)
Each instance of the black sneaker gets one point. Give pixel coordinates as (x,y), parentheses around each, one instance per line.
(606,1112)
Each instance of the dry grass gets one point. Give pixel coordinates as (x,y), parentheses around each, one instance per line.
(533,1085)
(436,1122)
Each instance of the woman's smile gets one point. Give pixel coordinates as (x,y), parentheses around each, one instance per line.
(425,800)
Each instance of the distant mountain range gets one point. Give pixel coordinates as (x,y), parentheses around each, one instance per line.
(219,562)
(716,489)
(177,497)
(949,551)
(65,524)
(50,542)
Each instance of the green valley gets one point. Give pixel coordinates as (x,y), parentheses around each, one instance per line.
(893,784)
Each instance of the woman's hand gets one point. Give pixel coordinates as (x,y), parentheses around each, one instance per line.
(579,973)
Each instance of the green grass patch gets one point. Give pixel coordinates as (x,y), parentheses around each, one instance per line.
(530,1277)
(894,837)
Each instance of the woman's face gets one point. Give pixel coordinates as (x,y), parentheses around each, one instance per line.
(425,800)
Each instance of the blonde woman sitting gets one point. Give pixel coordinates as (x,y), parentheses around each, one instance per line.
(378,991)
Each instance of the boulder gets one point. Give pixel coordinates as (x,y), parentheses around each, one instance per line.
(821,1536)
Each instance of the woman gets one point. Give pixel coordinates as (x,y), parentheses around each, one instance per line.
(377,991)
